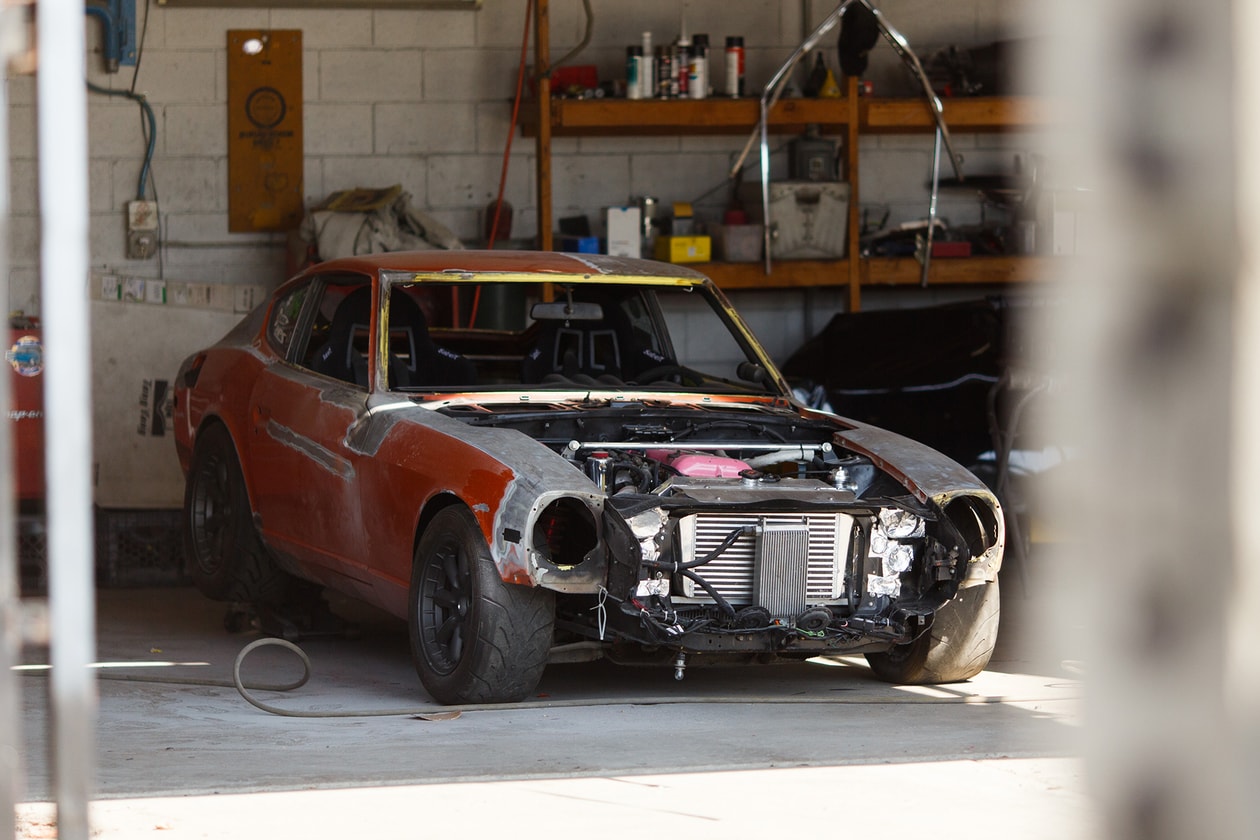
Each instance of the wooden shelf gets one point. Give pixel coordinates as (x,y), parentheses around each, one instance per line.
(952,271)
(619,117)
(850,116)
(970,114)
(878,271)
(786,274)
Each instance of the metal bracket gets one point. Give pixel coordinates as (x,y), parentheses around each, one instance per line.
(118,21)
(774,89)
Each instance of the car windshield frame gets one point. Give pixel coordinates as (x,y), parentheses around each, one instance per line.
(455,298)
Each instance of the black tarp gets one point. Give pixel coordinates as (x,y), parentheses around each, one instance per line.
(925,373)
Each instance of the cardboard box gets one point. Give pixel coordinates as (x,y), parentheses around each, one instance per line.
(738,243)
(683,249)
(625,231)
(1068,231)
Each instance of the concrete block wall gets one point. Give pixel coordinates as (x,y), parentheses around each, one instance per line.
(421,98)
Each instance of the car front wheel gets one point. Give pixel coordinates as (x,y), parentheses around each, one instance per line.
(956,647)
(474,637)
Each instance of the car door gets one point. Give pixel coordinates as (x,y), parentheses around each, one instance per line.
(305,480)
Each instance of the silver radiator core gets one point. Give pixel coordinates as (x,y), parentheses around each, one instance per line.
(792,560)
(781,571)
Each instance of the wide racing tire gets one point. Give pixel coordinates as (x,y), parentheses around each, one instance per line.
(958,645)
(227,560)
(474,637)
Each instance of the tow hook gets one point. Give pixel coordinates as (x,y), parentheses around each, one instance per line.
(680,665)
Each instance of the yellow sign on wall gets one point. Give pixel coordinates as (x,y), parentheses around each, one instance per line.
(264,74)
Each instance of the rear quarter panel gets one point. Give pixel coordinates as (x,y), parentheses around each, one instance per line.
(223,385)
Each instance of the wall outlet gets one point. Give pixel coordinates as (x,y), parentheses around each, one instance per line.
(142,215)
(142,226)
(141,244)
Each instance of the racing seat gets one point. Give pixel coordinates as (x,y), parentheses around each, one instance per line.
(573,351)
(419,362)
(340,357)
(414,359)
(590,352)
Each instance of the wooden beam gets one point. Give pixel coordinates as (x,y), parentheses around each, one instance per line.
(855,206)
(542,145)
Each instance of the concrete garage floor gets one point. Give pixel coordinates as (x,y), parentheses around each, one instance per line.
(743,751)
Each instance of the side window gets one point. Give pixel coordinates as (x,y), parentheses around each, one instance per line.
(703,340)
(336,332)
(317,330)
(285,319)
(643,326)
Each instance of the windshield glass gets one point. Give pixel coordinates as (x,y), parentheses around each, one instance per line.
(506,336)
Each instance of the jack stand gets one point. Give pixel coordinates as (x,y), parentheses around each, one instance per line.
(680,665)
(305,618)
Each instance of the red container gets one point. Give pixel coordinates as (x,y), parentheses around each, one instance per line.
(570,80)
(25,356)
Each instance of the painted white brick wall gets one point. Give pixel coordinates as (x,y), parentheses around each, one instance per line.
(370,75)
(422,98)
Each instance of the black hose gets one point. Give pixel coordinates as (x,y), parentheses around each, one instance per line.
(722,603)
(728,541)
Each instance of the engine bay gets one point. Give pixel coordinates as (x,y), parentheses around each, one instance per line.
(736,530)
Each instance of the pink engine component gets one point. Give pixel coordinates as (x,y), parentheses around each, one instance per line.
(695,464)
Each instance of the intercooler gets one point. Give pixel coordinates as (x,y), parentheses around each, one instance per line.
(787,563)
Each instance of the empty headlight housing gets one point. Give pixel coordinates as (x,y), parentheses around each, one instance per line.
(565,533)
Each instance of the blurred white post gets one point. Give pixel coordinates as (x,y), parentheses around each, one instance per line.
(1151,347)
(63,206)
(10,592)
(1243,662)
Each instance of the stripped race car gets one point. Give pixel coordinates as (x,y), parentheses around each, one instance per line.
(537,457)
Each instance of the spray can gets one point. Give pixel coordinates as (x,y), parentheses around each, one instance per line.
(666,80)
(698,73)
(647,70)
(683,66)
(634,69)
(734,65)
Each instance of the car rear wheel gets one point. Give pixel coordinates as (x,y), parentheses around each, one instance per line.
(474,638)
(957,647)
(228,561)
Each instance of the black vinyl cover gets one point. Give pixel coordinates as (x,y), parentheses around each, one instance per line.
(925,373)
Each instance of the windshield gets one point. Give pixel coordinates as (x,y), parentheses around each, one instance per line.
(608,336)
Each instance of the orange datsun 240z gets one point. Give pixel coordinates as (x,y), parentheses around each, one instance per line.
(536,456)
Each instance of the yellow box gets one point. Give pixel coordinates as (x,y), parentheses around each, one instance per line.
(683,249)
